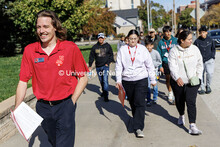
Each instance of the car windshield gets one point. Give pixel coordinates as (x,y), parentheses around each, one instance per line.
(214,33)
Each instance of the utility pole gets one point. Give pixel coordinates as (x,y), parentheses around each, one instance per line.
(148,15)
(151,24)
(174,17)
(197,17)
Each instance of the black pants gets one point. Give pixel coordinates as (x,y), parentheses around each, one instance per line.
(136,92)
(59,122)
(186,94)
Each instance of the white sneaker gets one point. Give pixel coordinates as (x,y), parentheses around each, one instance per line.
(181,120)
(139,133)
(193,130)
(171,97)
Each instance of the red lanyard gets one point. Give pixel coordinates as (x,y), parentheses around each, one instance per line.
(132,59)
(168,47)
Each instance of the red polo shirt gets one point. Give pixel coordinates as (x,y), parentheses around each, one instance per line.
(54,77)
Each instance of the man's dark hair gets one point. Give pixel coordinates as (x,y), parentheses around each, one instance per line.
(149,42)
(61,32)
(167,28)
(203,28)
(183,35)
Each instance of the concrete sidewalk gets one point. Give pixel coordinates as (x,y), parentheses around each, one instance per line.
(101,124)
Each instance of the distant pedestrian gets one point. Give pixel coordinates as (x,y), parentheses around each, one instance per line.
(133,67)
(49,63)
(102,53)
(153,37)
(164,47)
(142,38)
(121,42)
(157,62)
(207,48)
(160,34)
(126,40)
(185,62)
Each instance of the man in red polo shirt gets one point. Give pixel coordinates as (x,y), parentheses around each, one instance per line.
(58,72)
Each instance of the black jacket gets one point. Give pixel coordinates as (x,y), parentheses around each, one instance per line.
(206,47)
(102,54)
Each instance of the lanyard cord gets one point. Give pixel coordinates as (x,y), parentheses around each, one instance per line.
(168,47)
(132,59)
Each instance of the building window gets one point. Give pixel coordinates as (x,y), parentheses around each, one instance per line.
(132,4)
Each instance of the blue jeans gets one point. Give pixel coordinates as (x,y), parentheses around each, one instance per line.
(155,92)
(103,79)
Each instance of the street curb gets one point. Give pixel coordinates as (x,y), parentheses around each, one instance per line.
(7,127)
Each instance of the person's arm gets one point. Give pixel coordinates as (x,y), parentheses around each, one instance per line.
(111,57)
(174,68)
(82,82)
(150,68)
(118,69)
(91,57)
(199,66)
(160,53)
(20,93)
(25,75)
(213,49)
(118,45)
(158,59)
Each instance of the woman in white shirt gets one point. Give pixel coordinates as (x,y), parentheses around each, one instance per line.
(185,62)
(133,66)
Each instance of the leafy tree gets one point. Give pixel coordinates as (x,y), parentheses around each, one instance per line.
(72,13)
(102,20)
(6,32)
(159,15)
(185,18)
(212,15)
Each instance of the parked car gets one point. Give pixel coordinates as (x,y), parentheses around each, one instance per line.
(215,35)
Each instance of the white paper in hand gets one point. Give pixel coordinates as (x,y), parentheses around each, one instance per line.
(26,120)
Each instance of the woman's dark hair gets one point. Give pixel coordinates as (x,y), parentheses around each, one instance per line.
(178,32)
(167,28)
(131,32)
(61,32)
(183,35)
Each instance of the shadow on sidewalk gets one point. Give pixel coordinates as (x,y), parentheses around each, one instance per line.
(42,137)
(160,111)
(96,89)
(93,88)
(116,109)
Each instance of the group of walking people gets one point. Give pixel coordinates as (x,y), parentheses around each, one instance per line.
(183,64)
(136,70)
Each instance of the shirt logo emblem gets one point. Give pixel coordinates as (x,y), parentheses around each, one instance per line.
(38,60)
(60,61)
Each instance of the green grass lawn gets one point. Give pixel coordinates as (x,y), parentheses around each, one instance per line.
(10,69)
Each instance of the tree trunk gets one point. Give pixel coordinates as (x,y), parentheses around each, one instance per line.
(90,38)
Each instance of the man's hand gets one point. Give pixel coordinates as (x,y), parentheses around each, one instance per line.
(90,68)
(106,64)
(180,82)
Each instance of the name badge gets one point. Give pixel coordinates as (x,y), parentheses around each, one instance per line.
(166,54)
(38,60)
